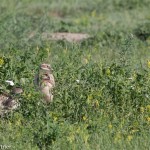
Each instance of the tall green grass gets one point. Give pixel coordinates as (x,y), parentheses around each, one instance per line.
(101,98)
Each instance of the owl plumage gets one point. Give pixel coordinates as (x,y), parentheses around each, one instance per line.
(45,82)
(7,103)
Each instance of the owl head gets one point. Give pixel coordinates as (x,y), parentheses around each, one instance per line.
(46,67)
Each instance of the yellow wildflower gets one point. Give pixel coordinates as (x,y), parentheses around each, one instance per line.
(142,109)
(1,61)
(65,50)
(71,138)
(129,138)
(117,137)
(37,48)
(148,63)
(85,61)
(86,137)
(96,104)
(110,126)
(148,119)
(134,131)
(48,52)
(18,122)
(89,99)
(29,95)
(108,71)
(78,130)
(55,118)
(148,107)
(89,56)
(84,118)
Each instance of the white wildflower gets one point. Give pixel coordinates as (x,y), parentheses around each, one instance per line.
(130,78)
(146,95)
(77,81)
(10,82)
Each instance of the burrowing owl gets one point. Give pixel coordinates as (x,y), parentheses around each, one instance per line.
(7,103)
(45,81)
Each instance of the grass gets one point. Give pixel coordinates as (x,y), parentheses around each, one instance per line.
(109,107)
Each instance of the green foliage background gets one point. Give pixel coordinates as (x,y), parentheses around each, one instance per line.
(110,106)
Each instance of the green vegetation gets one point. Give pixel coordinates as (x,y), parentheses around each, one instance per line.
(102,93)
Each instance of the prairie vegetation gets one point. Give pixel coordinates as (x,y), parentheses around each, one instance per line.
(102,94)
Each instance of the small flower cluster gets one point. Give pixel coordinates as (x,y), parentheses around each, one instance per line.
(1,61)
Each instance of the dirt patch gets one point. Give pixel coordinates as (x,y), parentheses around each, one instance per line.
(70,37)
(57,14)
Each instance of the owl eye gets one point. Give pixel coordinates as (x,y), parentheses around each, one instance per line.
(49,67)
